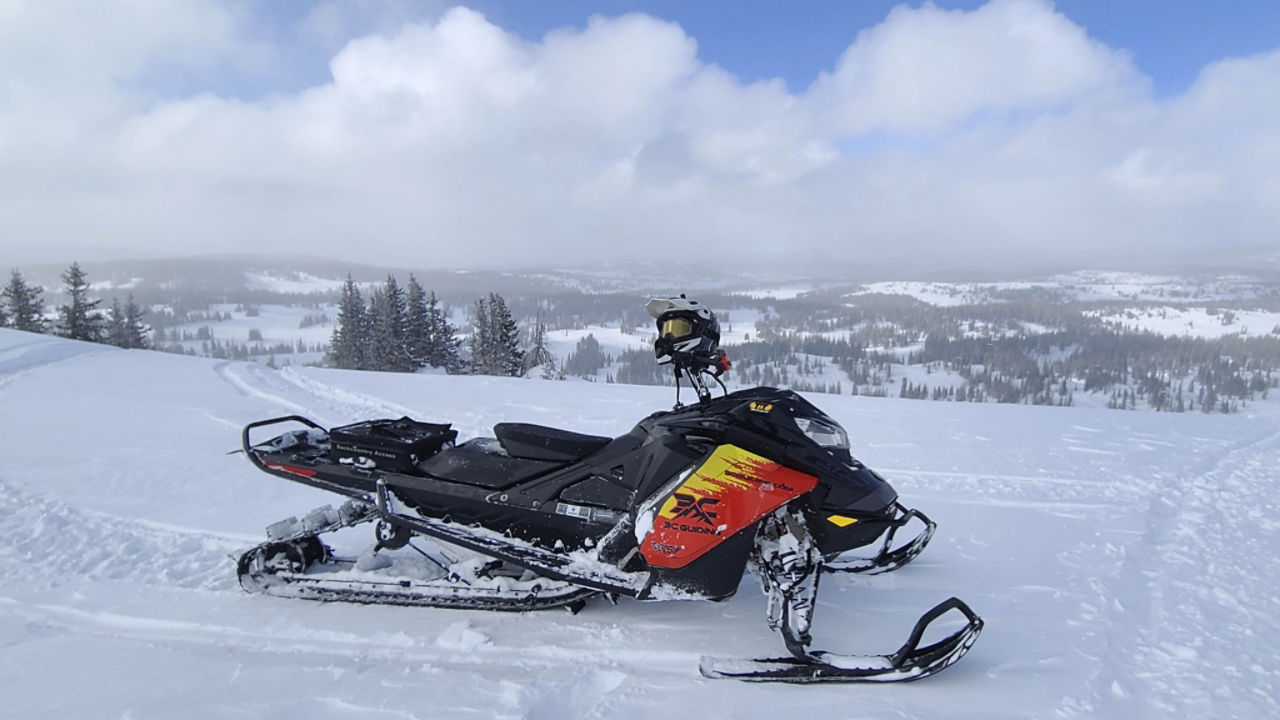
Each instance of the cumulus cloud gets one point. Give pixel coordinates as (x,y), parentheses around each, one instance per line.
(1003,135)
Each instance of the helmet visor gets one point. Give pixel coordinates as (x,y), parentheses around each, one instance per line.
(676,328)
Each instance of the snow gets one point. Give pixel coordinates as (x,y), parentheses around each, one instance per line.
(1196,322)
(780,292)
(292,283)
(613,341)
(939,294)
(102,285)
(1125,563)
(1087,285)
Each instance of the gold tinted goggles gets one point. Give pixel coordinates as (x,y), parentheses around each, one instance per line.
(676,328)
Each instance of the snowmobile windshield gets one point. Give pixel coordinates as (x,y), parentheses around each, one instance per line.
(676,328)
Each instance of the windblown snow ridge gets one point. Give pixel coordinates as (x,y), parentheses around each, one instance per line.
(45,542)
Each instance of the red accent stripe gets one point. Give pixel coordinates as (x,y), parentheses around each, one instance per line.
(300,472)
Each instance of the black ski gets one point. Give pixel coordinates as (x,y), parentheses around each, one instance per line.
(910,662)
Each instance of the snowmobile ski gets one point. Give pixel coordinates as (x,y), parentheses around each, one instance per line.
(789,566)
(910,662)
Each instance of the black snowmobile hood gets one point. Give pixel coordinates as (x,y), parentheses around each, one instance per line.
(763,420)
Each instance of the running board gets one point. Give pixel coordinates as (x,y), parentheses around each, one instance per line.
(579,568)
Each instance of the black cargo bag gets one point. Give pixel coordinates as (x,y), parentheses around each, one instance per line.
(392,445)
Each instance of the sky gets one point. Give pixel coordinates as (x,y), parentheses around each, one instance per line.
(908,137)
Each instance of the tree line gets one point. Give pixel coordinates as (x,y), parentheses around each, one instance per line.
(404,329)
(22,307)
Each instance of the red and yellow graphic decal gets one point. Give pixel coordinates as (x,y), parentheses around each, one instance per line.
(731,490)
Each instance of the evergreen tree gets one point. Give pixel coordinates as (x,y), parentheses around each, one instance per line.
(444,345)
(508,357)
(417,325)
(387,340)
(24,303)
(115,324)
(135,331)
(80,319)
(348,344)
(495,342)
(481,340)
(587,358)
(539,354)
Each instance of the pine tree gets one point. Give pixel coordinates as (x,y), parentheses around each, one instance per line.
(508,358)
(481,340)
(495,339)
(444,345)
(26,307)
(539,354)
(115,324)
(417,325)
(135,331)
(586,359)
(350,337)
(80,319)
(125,328)
(387,341)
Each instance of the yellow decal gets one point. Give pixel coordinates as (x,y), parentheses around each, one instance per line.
(760,407)
(729,467)
(841,521)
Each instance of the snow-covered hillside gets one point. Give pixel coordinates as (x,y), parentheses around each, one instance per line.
(1127,564)
(1084,285)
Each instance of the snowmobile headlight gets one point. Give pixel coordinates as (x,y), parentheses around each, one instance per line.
(824,433)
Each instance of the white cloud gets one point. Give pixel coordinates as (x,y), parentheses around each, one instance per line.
(924,70)
(938,137)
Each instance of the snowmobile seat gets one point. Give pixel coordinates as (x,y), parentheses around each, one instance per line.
(538,442)
(482,462)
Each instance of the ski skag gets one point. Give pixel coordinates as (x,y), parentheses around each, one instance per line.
(679,507)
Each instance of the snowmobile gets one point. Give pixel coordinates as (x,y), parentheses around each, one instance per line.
(677,508)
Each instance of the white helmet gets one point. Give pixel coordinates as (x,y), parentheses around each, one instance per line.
(688,333)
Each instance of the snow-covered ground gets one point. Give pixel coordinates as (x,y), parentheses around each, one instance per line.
(780,292)
(940,294)
(613,341)
(1082,285)
(1197,322)
(295,282)
(1126,563)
